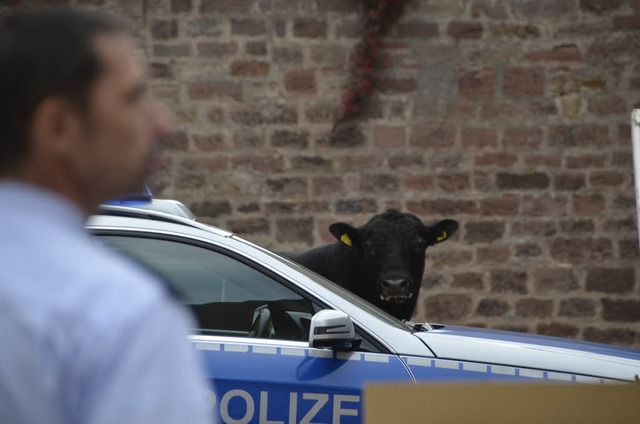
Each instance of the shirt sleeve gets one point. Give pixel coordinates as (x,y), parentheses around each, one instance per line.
(148,372)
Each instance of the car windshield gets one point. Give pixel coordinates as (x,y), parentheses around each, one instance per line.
(342,292)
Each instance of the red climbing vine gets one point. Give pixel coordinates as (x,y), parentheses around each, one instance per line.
(380,15)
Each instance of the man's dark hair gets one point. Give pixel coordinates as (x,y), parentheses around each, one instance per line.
(44,53)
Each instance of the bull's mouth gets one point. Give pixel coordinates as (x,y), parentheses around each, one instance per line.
(399,298)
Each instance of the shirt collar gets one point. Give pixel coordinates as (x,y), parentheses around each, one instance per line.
(29,199)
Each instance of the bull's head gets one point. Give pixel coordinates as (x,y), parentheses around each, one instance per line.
(393,247)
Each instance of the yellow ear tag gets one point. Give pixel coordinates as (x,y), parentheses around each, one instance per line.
(345,239)
(443,236)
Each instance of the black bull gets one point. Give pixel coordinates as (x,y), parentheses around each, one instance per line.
(382,261)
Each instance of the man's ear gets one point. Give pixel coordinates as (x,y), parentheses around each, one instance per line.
(55,126)
(345,233)
(441,231)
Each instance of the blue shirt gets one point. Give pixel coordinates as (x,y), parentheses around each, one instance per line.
(86,336)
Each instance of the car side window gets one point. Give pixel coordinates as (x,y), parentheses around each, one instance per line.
(227,296)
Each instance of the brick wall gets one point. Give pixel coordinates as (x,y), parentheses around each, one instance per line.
(510,116)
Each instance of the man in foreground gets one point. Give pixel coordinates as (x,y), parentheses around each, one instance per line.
(85,336)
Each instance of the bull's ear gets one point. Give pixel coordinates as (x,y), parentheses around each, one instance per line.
(441,231)
(346,233)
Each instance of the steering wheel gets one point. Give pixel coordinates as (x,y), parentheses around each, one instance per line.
(261,326)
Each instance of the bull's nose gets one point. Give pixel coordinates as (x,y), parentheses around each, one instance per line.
(396,286)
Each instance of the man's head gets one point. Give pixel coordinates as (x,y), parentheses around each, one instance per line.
(75,114)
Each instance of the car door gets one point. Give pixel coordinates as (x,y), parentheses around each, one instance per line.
(252,331)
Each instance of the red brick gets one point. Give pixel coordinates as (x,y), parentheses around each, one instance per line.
(554,280)
(208,142)
(500,206)
(529,181)
(453,182)
(562,53)
(465,30)
(396,85)
(484,232)
(248,226)
(522,137)
(341,6)
(455,109)
(626,22)
(256,48)
(406,161)
(351,206)
(417,29)
(492,307)
(618,336)
(545,205)
(581,250)
(569,181)
(204,163)
(448,307)
(326,186)
(442,207)
(418,183)
(310,164)
(432,136)
(300,81)
(247,139)
(265,164)
(523,82)
(225,6)
(468,280)
(290,139)
(215,115)
(606,179)
(585,161)
(588,205)
(477,84)
(493,253)
(249,68)
(216,49)
(534,308)
(296,230)
(605,106)
(389,136)
(310,28)
(190,179)
(379,183)
(599,6)
(621,310)
(498,110)
(176,141)
(518,31)
(361,163)
(584,135)
(528,250)
(291,207)
(212,209)
(287,187)
(479,137)
(577,307)
(538,161)
(557,330)
(178,6)
(500,159)
(217,89)
(507,281)
(611,280)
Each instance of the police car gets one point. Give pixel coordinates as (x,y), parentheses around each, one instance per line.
(284,345)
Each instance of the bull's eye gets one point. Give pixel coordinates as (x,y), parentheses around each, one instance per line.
(367,248)
(420,247)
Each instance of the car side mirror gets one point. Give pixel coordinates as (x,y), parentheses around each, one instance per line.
(333,329)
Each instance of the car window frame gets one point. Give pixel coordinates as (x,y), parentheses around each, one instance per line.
(212,246)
